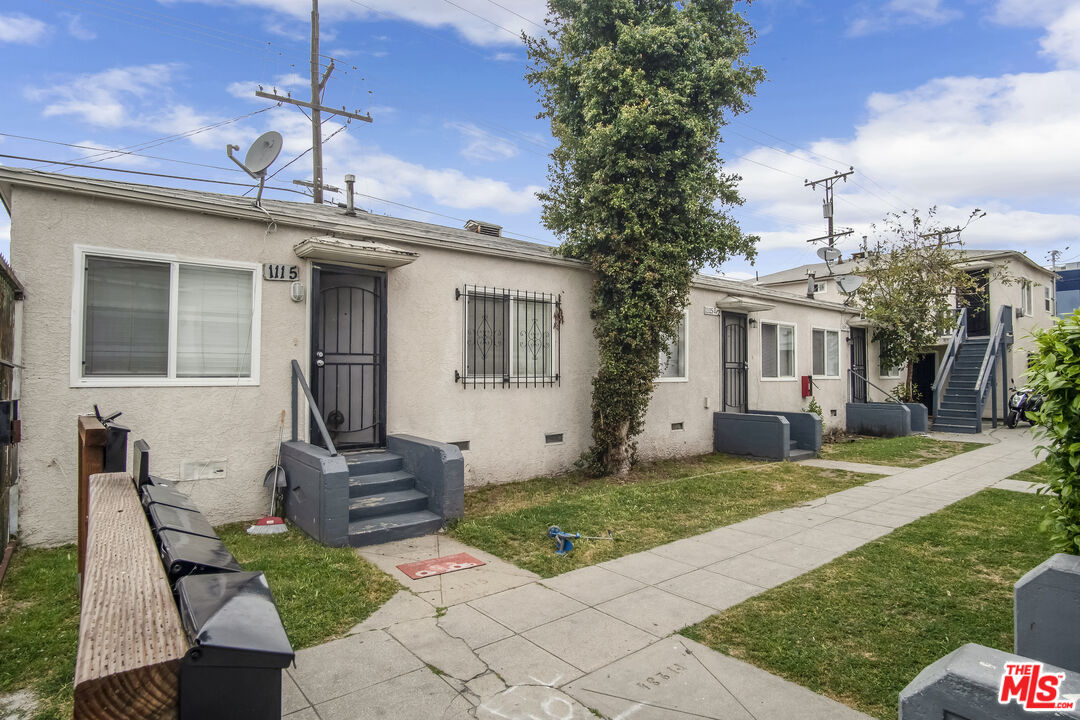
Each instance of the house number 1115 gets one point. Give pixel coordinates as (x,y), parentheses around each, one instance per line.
(281,272)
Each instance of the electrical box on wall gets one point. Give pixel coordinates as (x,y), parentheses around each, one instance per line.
(202,469)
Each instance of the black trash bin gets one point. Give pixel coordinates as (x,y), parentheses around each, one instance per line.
(238,648)
(163,495)
(184,554)
(167,517)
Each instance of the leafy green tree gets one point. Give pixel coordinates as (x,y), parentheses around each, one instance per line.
(912,277)
(1054,373)
(636,92)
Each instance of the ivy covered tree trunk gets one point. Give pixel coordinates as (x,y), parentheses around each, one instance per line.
(636,92)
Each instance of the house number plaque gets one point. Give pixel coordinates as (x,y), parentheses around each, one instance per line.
(281,272)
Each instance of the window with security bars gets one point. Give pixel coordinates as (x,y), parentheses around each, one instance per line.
(511,337)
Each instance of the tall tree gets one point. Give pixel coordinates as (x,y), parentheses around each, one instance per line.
(636,92)
(913,277)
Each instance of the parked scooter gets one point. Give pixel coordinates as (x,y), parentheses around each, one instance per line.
(1022,402)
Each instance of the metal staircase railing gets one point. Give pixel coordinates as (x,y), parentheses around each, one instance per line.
(298,379)
(851,384)
(995,351)
(945,369)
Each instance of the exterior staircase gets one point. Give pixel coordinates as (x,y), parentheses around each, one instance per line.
(959,406)
(384,502)
(795,453)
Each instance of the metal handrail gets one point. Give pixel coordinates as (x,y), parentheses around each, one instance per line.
(884,392)
(298,378)
(945,369)
(990,356)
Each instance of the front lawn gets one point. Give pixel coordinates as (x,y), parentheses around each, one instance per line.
(656,504)
(1039,474)
(860,628)
(908,452)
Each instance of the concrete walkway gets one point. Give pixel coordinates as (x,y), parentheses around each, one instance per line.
(498,642)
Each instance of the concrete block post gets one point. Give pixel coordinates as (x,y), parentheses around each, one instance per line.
(966,685)
(1046,612)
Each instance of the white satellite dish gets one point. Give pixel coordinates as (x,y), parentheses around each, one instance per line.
(828,254)
(848,284)
(261,155)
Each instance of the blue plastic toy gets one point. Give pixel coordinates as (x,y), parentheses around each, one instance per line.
(563,540)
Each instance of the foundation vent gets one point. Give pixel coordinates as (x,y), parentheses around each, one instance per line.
(553,438)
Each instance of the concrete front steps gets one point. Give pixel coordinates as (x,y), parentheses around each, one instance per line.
(384,502)
(958,412)
(795,453)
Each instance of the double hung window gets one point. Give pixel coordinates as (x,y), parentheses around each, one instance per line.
(826,353)
(777,351)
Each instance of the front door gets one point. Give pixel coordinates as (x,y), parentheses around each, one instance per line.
(922,379)
(733,361)
(349,364)
(977,301)
(858,365)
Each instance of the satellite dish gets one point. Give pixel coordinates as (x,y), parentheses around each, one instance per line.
(848,284)
(828,254)
(262,153)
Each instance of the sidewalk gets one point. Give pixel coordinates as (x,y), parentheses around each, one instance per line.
(498,642)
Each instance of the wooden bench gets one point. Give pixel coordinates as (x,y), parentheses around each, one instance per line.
(131,640)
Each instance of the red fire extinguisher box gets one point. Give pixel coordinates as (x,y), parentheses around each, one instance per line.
(806,391)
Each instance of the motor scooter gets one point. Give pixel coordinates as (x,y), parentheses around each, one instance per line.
(1021,403)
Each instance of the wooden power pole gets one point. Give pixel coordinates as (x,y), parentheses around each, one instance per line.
(318,85)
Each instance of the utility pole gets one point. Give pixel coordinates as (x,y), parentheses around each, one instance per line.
(318,85)
(940,235)
(1054,255)
(827,205)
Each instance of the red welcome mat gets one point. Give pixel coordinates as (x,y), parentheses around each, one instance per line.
(438,566)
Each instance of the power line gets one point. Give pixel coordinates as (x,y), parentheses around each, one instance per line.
(477,15)
(119,152)
(518,14)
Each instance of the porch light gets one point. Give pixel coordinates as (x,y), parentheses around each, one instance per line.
(296,291)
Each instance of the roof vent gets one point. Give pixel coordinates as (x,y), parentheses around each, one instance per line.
(484,228)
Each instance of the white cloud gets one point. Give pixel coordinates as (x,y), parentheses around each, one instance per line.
(481,22)
(20,28)
(506,57)
(883,17)
(76,28)
(482,146)
(1062,40)
(102,98)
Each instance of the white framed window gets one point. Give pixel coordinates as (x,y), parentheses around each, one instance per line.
(1025,296)
(826,353)
(511,336)
(147,319)
(1046,298)
(777,351)
(673,361)
(819,286)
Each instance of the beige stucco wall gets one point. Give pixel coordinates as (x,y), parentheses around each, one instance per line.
(238,424)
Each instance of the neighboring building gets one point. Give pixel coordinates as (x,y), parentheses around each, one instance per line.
(1067,290)
(167,304)
(1007,278)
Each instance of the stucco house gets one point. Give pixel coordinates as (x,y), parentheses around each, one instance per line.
(187,310)
(1015,293)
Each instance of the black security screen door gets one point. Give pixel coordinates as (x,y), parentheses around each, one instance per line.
(349,347)
(733,354)
(858,365)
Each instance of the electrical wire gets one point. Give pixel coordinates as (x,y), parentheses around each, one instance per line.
(517,14)
(485,19)
(119,152)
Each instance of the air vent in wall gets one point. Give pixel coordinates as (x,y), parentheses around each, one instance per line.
(553,438)
(677,426)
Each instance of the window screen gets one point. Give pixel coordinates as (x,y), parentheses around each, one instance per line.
(126,319)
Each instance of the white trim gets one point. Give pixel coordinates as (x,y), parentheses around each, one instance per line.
(78,304)
(685,377)
(825,358)
(794,353)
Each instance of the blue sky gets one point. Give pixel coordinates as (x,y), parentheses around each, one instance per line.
(954,103)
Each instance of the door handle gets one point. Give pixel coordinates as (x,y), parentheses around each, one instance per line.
(320,362)
(318,353)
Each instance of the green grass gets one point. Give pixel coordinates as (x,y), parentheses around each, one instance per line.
(909,452)
(862,627)
(320,591)
(657,503)
(39,626)
(1035,474)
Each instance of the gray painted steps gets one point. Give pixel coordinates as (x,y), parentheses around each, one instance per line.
(797,455)
(390,503)
(958,405)
(380,482)
(372,461)
(387,528)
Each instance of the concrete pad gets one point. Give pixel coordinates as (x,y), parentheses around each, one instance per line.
(853,466)
(519,662)
(451,546)
(305,714)
(425,639)
(875,517)
(755,570)
(822,506)
(804,557)
(693,553)
(472,626)
(656,611)
(526,607)
(661,681)
(420,694)
(1018,486)
(465,585)
(829,540)
(804,517)
(343,666)
(589,639)
(532,702)
(854,528)
(420,548)
(647,568)
(291,697)
(731,539)
(767,527)
(400,608)
(706,588)
(592,585)
(486,686)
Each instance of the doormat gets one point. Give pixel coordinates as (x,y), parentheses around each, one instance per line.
(439,566)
